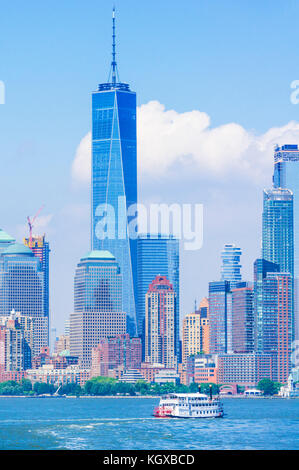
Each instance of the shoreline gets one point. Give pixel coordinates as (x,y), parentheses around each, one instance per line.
(146,397)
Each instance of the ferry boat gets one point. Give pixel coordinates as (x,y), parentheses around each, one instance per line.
(189,405)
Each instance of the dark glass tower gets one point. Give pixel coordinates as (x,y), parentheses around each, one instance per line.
(114,179)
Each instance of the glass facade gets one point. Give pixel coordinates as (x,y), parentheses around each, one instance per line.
(261,269)
(231,267)
(98,284)
(286,175)
(278,239)
(157,255)
(219,311)
(22,288)
(114,183)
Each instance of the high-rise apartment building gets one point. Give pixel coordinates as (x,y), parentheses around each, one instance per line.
(114,179)
(277,322)
(118,352)
(278,235)
(16,343)
(242,320)
(231,267)
(160,323)
(158,255)
(195,337)
(97,304)
(219,316)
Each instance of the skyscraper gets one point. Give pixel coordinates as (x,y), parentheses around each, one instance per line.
(231,267)
(277,237)
(5,240)
(277,322)
(22,289)
(286,175)
(158,255)
(261,269)
(159,323)
(40,248)
(97,304)
(242,320)
(219,315)
(114,179)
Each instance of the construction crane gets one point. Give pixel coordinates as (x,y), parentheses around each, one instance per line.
(31,222)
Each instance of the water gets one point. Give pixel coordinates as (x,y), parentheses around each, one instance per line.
(127,423)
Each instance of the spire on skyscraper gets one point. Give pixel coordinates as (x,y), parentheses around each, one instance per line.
(113,70)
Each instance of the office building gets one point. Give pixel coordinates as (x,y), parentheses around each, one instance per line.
(220,317)
(5,240)
(286,175)
(158,255)
(22,289)
(114,179)
(231,267)
(97,304)
(244,369)
(242,320)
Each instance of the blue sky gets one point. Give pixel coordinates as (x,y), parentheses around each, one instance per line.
(232,60)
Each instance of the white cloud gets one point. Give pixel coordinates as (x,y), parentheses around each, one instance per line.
(167,138)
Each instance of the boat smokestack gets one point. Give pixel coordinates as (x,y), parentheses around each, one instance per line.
(211,391)
(199,388)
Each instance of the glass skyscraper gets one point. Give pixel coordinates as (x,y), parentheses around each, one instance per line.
(220,317)
(114,179)
(158,255)
(22,288)
(286,175)
(261,269)
(97,304)
(277,237)
(231,267)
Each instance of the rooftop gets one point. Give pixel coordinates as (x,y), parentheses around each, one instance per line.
(18,249)
(99,254)
(5,237)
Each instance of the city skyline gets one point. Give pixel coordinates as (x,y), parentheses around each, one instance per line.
(67,210)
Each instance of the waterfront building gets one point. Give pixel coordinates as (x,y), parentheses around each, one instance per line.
(114,180)
(205,369)
(244,369)
(277,322)
(242,320)
(111,353)
(157,254)
(22,289)
(51,375)
(286,175)
(231,267)
(261,268)
(219,316)
(160,308)
(15,344)
(97,304)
